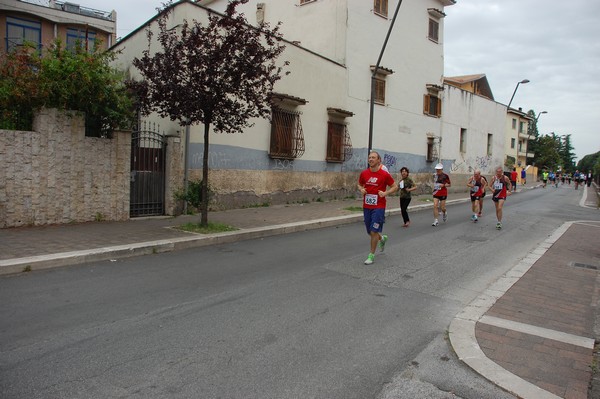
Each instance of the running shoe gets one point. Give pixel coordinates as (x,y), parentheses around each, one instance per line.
(445,216)
(382,242)
(370,259)
(435,223)
(475,219)
(479,215)
(498,226)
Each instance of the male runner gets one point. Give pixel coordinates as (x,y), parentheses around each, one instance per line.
(372,184)
(440,193)
(477,185)
(500,187)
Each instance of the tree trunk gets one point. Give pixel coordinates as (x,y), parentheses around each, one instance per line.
(204,188)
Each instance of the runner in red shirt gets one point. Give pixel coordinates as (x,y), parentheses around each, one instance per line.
(477,185)
(499,185)
(440,193)
(372,184)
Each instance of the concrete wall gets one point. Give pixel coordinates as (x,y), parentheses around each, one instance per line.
(54,174)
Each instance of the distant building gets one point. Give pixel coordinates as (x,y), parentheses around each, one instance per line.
(39,23)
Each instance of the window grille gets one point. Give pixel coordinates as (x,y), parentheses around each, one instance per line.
(287,139)
(339,144)
(434,29)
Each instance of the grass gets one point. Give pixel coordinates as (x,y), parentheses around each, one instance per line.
(209,229)
(354,209)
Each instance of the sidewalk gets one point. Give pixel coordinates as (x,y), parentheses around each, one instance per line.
(531,333)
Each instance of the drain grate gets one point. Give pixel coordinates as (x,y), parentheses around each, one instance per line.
(583,265)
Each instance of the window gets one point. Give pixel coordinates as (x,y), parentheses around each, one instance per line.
(380,7)
(512,143)
(521,124)
(430,149)
(379,90)
(432,105)
(339,146)
(463,140)
(434,29)
(82,38)
(287,139)
(21,31)
(514,124)
(489,145)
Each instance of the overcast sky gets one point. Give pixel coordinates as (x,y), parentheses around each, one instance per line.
(554,44)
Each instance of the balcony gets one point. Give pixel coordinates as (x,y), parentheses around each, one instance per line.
(524,136)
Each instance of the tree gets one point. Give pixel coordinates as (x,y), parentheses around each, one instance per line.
(221,75)
(565,150)
(547,155)
(67,79)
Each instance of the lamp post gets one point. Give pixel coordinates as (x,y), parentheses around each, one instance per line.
(374,76)
(538,116)
(514,92)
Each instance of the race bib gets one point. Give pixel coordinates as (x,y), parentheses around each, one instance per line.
(474,189)
(401,184)
(497,186)
(437,186)
(371,199)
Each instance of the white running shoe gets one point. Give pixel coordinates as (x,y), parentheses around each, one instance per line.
(370,259)
(435,222)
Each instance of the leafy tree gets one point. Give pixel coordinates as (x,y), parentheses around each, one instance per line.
(69,80)
(220,75)
(547,155)
(590,162)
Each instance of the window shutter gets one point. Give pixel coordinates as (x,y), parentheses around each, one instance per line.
(426,104)
(439,107)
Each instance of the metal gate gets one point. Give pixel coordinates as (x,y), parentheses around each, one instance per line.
(147,194)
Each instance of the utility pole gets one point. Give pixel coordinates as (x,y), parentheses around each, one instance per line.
(373,79)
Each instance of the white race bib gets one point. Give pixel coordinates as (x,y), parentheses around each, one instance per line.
(401,184)
(497,185)
(371,199)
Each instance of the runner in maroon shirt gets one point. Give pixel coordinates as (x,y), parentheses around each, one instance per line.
(440,193)
(499,185)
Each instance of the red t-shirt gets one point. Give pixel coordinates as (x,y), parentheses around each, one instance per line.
(373,182)
(513,176)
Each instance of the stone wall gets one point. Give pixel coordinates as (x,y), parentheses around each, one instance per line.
(54,174)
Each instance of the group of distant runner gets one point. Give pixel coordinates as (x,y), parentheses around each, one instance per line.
(578,178)
(376,183)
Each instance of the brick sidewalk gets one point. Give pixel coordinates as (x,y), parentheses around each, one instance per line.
(534,330)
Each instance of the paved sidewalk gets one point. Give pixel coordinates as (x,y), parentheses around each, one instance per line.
(532,332)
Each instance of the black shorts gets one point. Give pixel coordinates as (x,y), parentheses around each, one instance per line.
(441,198)
(475,198)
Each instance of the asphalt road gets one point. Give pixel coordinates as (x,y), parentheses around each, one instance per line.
(294,316)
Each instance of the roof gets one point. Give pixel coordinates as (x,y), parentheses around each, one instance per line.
(476,84)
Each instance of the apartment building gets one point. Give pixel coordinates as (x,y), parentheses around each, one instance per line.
(40,22)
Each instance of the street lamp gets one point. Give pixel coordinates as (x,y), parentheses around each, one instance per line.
(514,92)
(538,116)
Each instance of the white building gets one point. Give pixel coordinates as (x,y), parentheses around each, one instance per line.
(333,46)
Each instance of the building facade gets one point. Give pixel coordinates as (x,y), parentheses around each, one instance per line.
(26,22)
(333,47)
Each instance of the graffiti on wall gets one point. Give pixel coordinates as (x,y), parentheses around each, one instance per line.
(470,164)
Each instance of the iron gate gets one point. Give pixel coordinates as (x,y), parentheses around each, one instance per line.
(147,194)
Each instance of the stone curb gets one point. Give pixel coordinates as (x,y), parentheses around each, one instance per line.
(18,265)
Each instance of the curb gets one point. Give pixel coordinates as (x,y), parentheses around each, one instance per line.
(41,262)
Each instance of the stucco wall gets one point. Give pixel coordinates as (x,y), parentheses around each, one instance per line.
(54,174)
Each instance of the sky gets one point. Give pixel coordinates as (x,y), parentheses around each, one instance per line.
(553,43)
